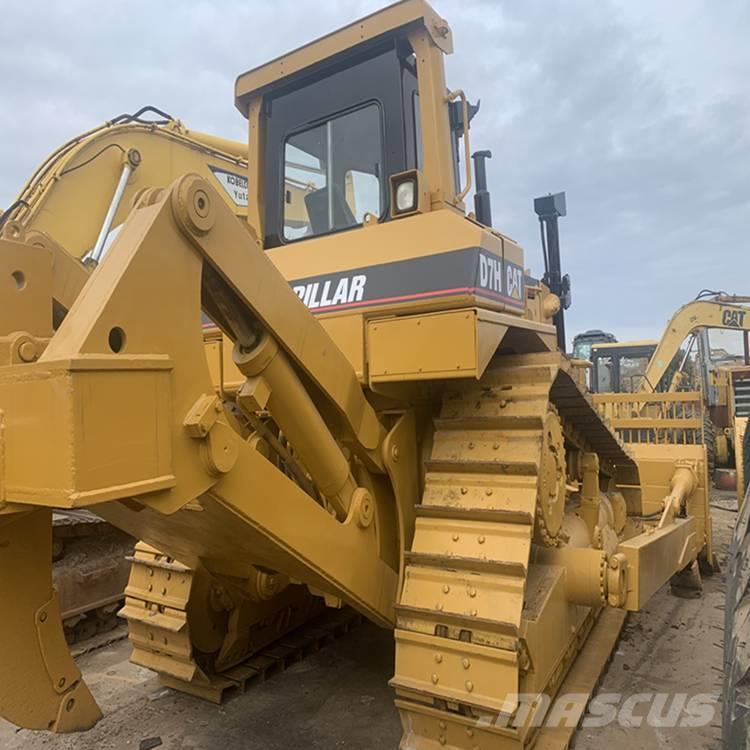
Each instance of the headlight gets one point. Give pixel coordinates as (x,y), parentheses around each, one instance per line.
(408,193)
(406,196)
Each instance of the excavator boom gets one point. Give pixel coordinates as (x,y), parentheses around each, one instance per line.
(69,194)
(724,312)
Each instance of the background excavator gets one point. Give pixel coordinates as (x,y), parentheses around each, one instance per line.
(74,205)
(398,432)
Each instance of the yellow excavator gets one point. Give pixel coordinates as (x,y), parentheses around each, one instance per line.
(394,430)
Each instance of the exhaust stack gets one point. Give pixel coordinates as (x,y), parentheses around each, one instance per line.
(549,208)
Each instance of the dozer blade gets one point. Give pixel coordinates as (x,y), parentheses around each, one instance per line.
(40,685)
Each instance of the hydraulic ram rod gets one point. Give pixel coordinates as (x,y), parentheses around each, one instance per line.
(131,161)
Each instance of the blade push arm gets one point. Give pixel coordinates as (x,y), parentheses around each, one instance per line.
(141,419)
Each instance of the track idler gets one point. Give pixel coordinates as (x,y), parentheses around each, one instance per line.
(40,685)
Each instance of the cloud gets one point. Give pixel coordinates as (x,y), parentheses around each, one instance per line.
(637,110)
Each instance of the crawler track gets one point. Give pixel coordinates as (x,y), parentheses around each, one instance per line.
(157,608)
(492,491)
(305,640)
(90,572)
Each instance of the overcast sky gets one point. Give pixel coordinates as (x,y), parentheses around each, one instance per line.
(638,109)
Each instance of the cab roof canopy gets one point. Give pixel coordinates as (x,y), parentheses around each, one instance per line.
(395,20)
(624,344)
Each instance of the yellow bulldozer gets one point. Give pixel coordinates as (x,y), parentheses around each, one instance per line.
(351,396)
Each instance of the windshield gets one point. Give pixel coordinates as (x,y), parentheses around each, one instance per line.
(726,346)
(332,174)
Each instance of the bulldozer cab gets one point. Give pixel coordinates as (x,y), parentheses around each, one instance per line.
(359,121)
(620,367)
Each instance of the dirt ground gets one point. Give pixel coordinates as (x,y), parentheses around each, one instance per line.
(339,697)
(673,646)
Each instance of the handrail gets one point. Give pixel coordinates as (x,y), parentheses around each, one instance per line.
(458,93)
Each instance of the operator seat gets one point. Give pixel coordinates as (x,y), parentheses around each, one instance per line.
(316,204)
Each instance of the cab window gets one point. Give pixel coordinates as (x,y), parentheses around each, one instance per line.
(333,174)
(632,373)
(604,374)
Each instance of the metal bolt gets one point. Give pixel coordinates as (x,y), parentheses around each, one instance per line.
(134,157)
(503,403)
(455,537)
(466,663)
(43,617)
(439,658)
(441,739)
(471,446)
(27,351)
(473,613)
(496,445)
(464,490)
(201,203)
(164,591)
(469,732)
(481,539)
(488,491)
(472,593)
(442,725)
(61,682)
(469,685)
(435,679)
(446,588)
(151,587)
(394,453)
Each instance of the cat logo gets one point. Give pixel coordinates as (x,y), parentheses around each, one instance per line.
(733,318)
(514,279)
